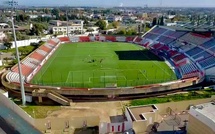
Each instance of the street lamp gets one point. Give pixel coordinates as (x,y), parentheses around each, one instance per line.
(13,3)
(67,19)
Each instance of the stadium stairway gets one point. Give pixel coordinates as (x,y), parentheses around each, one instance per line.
(58,98)
(51,95)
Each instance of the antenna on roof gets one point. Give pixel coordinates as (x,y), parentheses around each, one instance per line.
(161,2)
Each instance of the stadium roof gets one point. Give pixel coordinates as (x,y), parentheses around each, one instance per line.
(189,28)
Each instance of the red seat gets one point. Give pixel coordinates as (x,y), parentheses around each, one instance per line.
(63,39)
(44,48)
(84,39)
(37,56)
(111,38)
(129,39)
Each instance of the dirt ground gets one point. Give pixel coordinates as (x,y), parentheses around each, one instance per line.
(102,109)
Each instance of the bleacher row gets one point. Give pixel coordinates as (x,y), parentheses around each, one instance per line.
(31,62)
(180,48)
(98,38)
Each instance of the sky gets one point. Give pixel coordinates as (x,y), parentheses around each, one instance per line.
(108,3)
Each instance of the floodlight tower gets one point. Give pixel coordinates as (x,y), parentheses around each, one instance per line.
(161,3)
(67,19)
(12,4)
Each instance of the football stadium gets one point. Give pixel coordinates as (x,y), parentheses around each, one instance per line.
(103,64)
(162,61)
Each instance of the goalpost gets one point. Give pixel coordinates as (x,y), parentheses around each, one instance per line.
(108,79)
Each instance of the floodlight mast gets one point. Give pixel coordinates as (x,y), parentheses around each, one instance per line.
(67,19)
(13,3)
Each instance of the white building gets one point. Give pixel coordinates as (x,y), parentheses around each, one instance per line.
(60,27)
(112,18)
(33,16)
(4,25)
(202,119)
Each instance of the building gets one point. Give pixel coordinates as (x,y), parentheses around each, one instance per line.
(202,119)
(33,16)
(112,18)
(60,27)
(141,116)
(4,25)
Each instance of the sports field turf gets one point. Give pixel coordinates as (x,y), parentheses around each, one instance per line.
(102,64)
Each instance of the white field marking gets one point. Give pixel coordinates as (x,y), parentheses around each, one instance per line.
(123,77)
(143,74)
(95,46)
(112,76)
(68,76)
(86,56)
(78,82)
(108,69)
(49,64)
(90,78)
(104,56)
(155,62)
(94,54)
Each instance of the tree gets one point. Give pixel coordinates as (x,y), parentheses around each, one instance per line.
(38,28)
(90,30)
(115,24)
(56,12)
(101,24)
(86,22)
(131,32)
(122,32)
(154,22)
(161,21)
(46,10)
(7,43)
(22,17)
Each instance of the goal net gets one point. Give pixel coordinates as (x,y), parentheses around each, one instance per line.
(108,79)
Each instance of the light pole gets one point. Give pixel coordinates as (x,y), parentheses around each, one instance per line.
(67,19)
(13,3)
(67,25)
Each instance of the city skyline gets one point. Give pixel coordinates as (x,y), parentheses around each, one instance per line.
(126,3)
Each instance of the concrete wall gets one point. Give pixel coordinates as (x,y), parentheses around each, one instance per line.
(208,123)
(11,105)
(182,105)
(64,123)
(140,126)
(197,127)
(127,115)
(21,43)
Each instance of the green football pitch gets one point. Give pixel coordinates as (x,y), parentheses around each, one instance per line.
(102,64)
